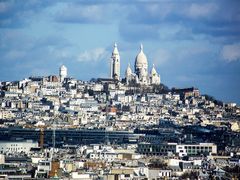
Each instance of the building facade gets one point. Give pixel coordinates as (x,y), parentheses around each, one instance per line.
(174,148)
(17,146)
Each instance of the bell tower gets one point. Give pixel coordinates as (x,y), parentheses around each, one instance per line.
(115,63)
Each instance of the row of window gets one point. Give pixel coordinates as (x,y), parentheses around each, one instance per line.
(15,148)
(156,150)
(198,147)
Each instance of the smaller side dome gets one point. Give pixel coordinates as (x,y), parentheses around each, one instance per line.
(153,71)
(62,67)
(129,70)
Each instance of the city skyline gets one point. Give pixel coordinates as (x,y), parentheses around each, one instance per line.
(191,43)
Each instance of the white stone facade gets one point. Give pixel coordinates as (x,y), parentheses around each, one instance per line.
(115,63)
(141,75)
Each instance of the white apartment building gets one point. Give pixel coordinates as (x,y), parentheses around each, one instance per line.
(17,146)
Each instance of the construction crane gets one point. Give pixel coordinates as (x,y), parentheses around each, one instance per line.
(41,142)
(41,136)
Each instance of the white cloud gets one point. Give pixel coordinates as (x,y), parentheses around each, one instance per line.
(93,55)
(231,52)
(159,10)
(195,50)
(160,56)
(82,14)
(3,7)
(62,53)
(15,54)
(202,10)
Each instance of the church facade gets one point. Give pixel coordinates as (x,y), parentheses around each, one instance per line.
(141,75)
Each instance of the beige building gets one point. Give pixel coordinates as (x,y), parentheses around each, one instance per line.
(5,114)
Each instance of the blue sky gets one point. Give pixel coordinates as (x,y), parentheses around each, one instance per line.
(191,43)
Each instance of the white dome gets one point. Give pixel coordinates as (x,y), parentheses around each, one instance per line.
(141,59)
(63,67)
(128,71)
(153,71)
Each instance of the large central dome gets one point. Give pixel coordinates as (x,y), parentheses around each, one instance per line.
(141,59)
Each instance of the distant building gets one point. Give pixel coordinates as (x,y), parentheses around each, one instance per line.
(181,149)
(195,149)
(6,114)
(74,136)
(141,75)
(2,159)
(17,146)
(62,72)
(52,78)
(187,92)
